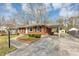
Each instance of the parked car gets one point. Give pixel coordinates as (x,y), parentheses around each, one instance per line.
(74,32)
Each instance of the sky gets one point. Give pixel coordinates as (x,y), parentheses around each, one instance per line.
(54,10)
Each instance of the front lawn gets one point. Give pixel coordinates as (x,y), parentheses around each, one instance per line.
(5,50)
(4,45)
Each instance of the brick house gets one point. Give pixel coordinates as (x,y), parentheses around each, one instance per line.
(37,29)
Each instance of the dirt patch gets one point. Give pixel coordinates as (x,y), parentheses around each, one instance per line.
(28,41)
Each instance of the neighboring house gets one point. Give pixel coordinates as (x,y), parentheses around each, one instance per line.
(4,30)
(38,29)
(13,30)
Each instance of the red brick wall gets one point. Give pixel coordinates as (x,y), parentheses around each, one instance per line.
(44,30)
(22,30)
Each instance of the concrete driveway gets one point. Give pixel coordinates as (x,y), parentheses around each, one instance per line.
(18,44)
(49,46)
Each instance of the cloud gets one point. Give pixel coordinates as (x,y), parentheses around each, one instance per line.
(48,7)
(65,9)
(68,13)
(57,5)
(10,9)
(68,10)
(63,12)
(60,5)
(25,7)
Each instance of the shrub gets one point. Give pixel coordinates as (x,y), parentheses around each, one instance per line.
(34,35)
(37,36)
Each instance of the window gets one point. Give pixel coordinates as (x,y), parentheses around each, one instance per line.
(37,29)
(30,29)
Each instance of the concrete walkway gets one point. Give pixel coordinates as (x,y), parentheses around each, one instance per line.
(49,46)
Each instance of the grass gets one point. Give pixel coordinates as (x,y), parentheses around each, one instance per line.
(31,36)
(4,50)
(27,37)
(4,45)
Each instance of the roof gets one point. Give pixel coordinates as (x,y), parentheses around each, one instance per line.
(21,26)
(48,25)
(53,25)
(31,25)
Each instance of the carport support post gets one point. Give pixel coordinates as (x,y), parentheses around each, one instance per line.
(9,38)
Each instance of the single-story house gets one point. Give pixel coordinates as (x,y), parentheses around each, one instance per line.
(38,29)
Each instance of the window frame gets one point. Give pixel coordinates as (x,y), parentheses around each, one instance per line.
(30,29)
(38,29)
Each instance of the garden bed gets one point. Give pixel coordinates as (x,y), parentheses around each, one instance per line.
(28,39)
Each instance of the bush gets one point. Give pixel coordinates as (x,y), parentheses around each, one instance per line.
(34,35)
(37,36)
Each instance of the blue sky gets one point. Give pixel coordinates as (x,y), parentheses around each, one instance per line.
(53,10)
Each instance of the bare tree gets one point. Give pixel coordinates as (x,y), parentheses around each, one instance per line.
(35,13)
(2,21)
(60,21)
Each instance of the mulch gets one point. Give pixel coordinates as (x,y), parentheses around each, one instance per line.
(28,41)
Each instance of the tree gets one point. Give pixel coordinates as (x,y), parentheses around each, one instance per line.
(9,24)
(73,21)
(2,21)
(35,12)
(60,21)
